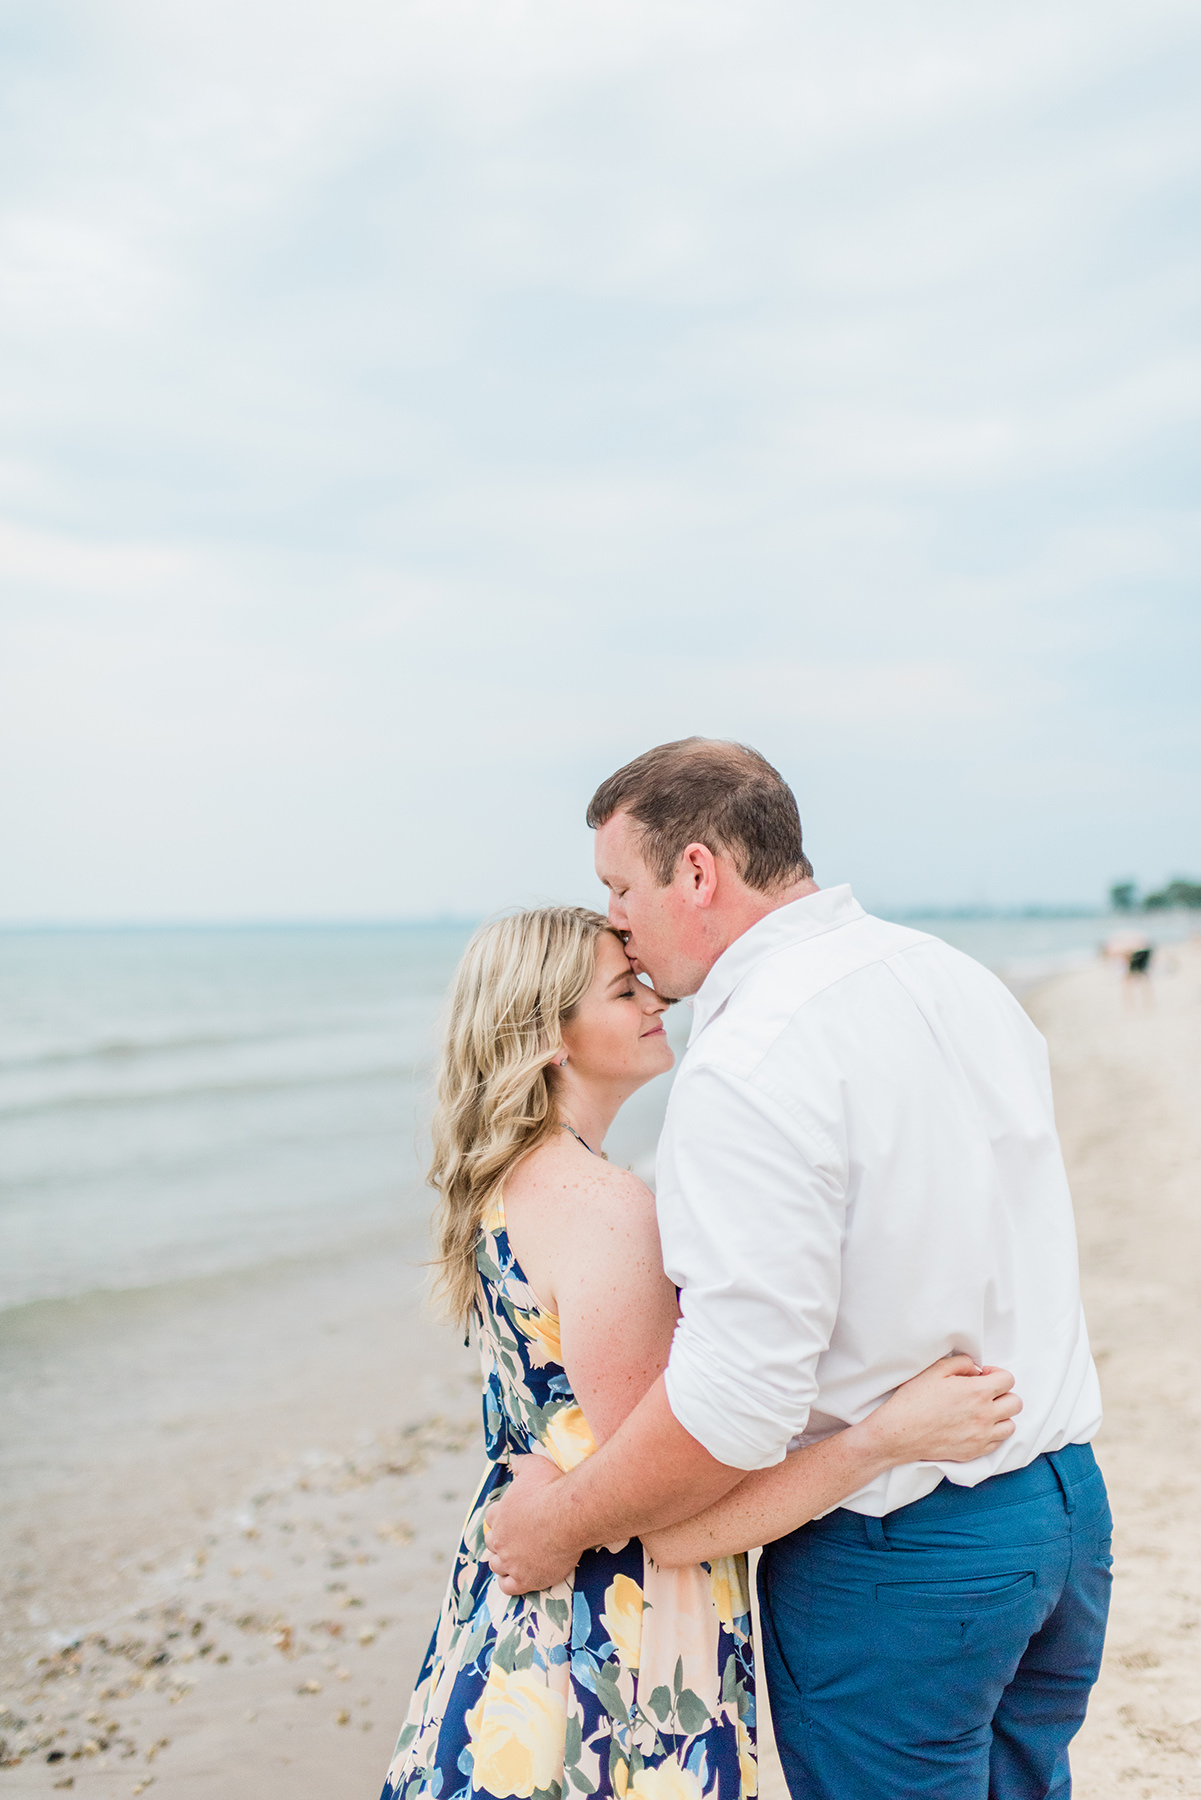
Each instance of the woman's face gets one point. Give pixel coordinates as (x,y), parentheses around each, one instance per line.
(616,1032)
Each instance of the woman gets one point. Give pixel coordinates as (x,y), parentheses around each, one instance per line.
(635,1676)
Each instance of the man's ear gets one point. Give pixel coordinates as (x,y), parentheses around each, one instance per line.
(698,865)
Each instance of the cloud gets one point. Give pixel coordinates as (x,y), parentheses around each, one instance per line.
(412,410)
(42,558)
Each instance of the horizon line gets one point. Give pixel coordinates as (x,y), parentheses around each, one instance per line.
(395,921)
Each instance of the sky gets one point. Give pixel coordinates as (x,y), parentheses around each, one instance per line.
(412,411)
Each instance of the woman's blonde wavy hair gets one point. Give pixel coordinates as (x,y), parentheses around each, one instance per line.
(518,983)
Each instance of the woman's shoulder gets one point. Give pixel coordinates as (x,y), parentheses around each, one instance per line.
(626,1188)
(566,1163)
(565,1180)
(567,1212)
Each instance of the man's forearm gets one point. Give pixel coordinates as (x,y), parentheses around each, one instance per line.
(649,1474)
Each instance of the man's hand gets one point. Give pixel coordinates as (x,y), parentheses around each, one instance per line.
(524,1552)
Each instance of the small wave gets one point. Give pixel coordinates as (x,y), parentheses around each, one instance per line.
(126,1050)
(212,1090)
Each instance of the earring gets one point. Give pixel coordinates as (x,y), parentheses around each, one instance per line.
(562,1062)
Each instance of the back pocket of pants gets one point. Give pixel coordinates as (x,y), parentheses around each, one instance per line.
(972,1595)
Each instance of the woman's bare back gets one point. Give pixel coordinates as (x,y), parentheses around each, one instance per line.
(586,1237)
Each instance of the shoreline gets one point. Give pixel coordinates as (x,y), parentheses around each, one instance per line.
(237,1497)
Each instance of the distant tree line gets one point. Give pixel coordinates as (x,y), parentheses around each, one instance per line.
(1124,896)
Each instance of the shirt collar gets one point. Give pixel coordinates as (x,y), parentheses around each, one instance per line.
(809,917)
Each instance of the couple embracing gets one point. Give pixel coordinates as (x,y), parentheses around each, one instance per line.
(811,1339)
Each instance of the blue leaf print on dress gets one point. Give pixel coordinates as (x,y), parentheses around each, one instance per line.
(569,1692)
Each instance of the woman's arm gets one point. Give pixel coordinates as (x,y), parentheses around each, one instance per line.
(587,1240)
(950,1413)
(617,1309)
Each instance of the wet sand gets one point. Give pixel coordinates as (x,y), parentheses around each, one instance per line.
(229,1505)
(227,1511)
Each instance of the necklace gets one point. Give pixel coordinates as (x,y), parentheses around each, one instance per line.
(564,1126)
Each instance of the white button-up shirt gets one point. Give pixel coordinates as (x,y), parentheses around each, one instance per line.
(859,1173)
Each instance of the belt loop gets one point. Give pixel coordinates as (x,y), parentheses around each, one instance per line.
(874,1529)
(1069,1500)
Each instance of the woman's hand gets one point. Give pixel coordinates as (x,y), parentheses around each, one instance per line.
(951,1412)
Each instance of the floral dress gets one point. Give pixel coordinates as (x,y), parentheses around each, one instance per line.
(625,1679)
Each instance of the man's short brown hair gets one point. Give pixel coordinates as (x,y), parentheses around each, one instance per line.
(706,791)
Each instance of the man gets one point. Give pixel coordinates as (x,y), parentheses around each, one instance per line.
(858,1173)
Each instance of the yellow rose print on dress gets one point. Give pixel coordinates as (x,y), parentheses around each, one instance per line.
(568,1437)
(622,1619)
(516,1733)
(666,1781)
(728,1589)
(747,1764)
(494,1214)
(543,1329)
(624,1681)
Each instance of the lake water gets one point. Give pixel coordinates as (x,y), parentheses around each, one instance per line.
(180,1102)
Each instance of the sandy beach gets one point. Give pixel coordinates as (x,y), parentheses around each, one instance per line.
(1126,1097)
(228,1505)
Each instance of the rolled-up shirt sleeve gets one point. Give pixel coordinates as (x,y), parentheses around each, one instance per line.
(751,1203)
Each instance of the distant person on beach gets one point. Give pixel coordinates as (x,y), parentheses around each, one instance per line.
(858,1172)
(1134,950)
(631,1672)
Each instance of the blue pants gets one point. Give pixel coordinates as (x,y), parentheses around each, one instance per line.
(946,1650)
